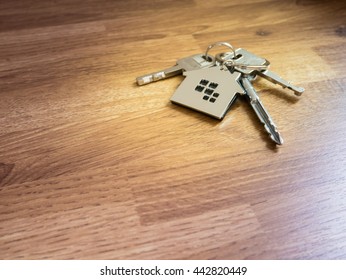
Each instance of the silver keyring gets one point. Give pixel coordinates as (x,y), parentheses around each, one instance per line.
(218,44)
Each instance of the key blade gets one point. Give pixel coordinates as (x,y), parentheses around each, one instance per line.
(193,62)
(237,66)
(251,67)
(160,75)
(261,112)
(268,125)
(276,79)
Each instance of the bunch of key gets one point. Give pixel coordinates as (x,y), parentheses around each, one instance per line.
(212,84)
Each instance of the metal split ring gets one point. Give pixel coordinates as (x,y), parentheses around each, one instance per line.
(218,44)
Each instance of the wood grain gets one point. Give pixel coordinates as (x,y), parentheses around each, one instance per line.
(94,167)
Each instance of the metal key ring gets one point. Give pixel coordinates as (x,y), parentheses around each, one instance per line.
(218,44)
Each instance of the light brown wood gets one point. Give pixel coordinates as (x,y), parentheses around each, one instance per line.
(94,167)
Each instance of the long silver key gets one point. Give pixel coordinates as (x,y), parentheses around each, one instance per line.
(189,63)
(276,79)
(260,111)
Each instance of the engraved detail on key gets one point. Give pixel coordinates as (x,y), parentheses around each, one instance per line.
(203,82)
(199,88)
(189,63)
(212,102)
(213,85)
(209,90)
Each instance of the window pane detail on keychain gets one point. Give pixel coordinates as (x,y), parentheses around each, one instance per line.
(212,84)
(208,89)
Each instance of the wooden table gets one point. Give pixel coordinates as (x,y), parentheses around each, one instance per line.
(93,166)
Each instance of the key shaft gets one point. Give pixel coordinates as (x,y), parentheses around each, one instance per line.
(276,79)
(261,112)
(189,63)
(159,75)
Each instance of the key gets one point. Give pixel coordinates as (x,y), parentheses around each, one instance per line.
(244,61)
(251,59)
(276,79)
(189,63)
(260,111)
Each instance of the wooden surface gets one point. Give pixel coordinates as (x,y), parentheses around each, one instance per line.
(94,167)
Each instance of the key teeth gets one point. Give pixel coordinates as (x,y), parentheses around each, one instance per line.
(275,136)
(278,139)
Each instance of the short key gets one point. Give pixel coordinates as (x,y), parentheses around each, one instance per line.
(260,111)
(276,79)
(252,59)
(244,61)
(189,63)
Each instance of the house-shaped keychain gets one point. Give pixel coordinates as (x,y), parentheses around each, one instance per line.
(209,90)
